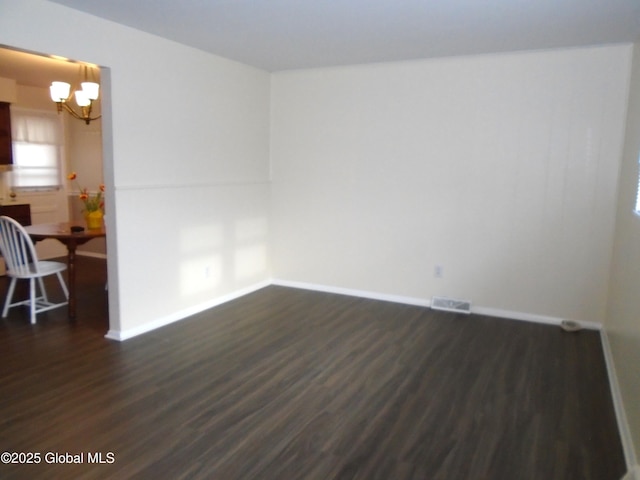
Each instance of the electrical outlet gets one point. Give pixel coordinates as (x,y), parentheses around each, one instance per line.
(438,271)
(207,271)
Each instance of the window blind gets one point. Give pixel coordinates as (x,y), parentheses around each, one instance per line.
(37,149)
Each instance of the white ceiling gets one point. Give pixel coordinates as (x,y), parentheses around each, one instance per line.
(293,34)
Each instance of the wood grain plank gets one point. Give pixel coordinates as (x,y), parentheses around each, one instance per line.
(292,384)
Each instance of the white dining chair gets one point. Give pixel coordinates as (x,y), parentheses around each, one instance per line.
(22,263)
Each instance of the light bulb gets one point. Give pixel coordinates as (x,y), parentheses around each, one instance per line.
(59,91)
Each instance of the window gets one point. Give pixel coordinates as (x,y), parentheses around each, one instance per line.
(37,150)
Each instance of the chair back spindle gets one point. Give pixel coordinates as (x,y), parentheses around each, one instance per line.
(17,248)
(22,262)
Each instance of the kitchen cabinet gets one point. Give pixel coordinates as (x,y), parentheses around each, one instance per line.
(18,211)
(22,213)
(6,151)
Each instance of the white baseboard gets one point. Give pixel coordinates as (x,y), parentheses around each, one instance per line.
(621,416)
(122,335)
(633,473)
(530,317)
(492,312)
(353,293)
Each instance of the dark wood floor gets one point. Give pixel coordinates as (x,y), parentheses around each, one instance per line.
(288,384)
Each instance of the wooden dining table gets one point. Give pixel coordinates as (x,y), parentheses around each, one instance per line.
(63,233)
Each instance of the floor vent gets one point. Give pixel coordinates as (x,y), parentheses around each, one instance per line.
(451,305)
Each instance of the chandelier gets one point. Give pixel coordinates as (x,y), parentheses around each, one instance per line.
(85,96)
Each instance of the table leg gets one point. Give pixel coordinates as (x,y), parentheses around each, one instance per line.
(71,267)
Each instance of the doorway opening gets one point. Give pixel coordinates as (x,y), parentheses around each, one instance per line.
(30,74)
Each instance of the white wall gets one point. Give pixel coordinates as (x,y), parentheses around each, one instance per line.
(168,159)
(84,156)
(501,168)
(84,153)
(623,316)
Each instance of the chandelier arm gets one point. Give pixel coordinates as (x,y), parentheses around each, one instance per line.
(87,118)
(86,113)
(71,111)
(90,119)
